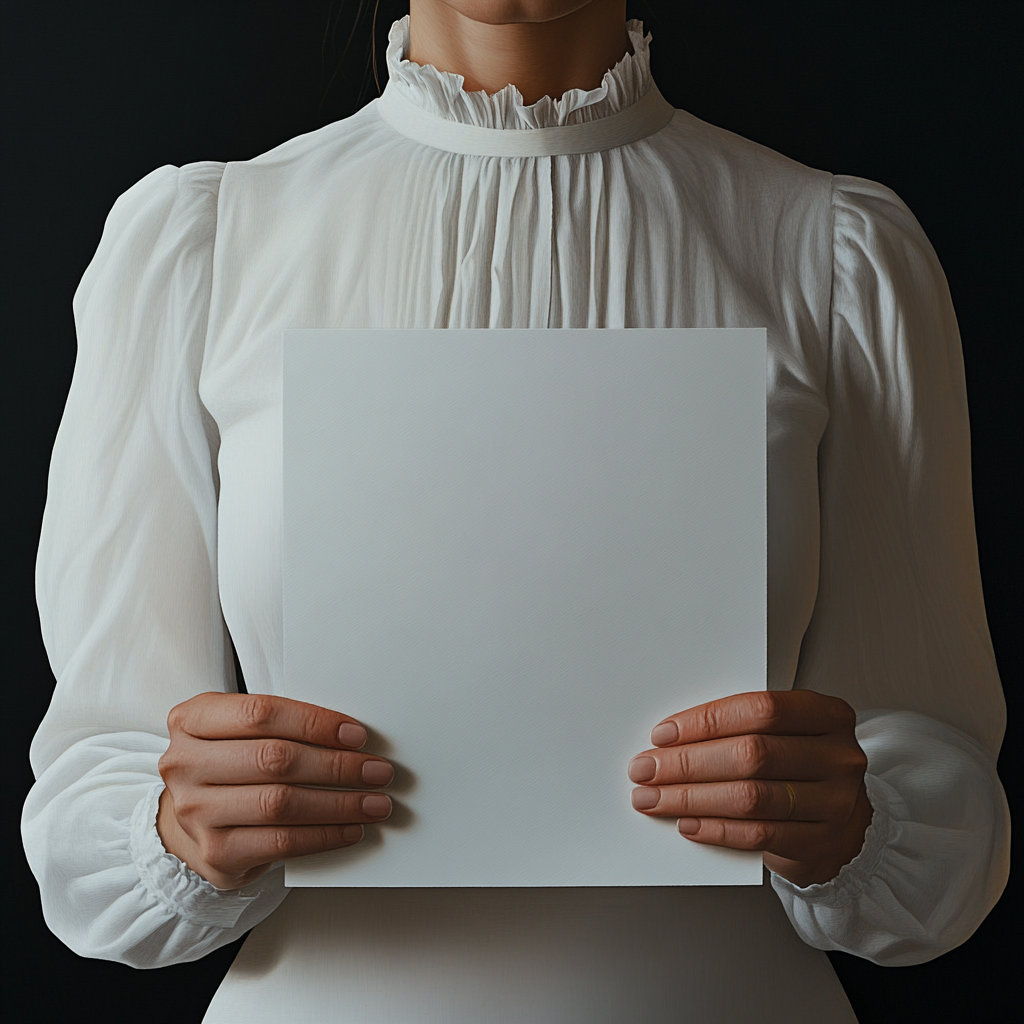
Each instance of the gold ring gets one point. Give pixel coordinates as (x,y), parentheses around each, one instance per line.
(792,800)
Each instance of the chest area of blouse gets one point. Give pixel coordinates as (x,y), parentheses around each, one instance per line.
(386,235)
(436,241)
(424,238)
(598,240)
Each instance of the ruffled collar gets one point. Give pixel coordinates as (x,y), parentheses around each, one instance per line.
(440,92)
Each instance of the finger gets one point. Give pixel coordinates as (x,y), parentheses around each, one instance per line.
(241,762)
(754,756)
(214,716)
(753,799)
(790,839)
(250,806)
(236,850)
(790,712)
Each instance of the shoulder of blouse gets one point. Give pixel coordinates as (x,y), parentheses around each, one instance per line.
(326,143)
(172,210)
(725,151)
(872,222)
(869,216)
(881,251)
(189,189)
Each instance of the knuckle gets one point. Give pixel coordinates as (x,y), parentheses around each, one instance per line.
(759,835)
(330,837)
(255,710)
(176,717)
(715,831)
(339,767)
(274,758)
(751,754)
(319,721)
(212,846)
(767,707)
(845,714)
(183,717)
(189,812)
(282,843)
(750,797)
(167,764)
(852,762)
(274,802)
(707,719)
(174,767)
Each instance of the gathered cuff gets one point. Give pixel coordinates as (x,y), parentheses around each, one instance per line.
(854,876)
(173,883)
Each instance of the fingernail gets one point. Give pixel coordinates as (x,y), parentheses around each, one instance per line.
(377,773)
(642,769)
(352,833)
(688,826)
(662,735)
(351,735)
(376,805)
(644,799)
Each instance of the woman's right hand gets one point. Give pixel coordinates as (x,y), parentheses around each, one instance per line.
(234,773)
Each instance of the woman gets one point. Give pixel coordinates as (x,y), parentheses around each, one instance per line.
(447,206)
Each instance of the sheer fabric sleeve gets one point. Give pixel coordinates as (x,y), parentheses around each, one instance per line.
(899,627)
(126,584)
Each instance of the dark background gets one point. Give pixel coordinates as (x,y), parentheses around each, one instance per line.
(920,96)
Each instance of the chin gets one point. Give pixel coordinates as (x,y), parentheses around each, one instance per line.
(509,12)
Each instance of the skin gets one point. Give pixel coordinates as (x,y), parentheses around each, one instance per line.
(236,773)
(544,47)
(238,767)
(721,769)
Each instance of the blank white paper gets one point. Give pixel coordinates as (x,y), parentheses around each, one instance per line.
(510,554)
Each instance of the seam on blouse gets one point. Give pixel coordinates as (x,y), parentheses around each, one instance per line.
(204,412)
(551,238)
(209,303)
(213,261)
(183,353)
(830,340)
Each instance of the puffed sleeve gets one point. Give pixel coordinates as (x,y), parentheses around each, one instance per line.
(126,584)
(899,628)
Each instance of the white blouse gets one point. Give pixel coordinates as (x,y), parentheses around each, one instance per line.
(434,207)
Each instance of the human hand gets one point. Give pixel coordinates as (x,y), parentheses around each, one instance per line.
(235,769)
(777,771)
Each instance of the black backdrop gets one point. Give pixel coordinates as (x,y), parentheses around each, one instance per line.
(920,96)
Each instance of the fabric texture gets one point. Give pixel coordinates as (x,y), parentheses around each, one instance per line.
(441,93)
(161,541)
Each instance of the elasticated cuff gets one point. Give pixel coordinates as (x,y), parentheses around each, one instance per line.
(173,882)
(853,877)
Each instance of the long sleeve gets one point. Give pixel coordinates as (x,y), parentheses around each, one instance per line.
(899,628)
(126,584)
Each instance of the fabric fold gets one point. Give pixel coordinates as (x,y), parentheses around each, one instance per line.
(935,856)
(162,530)
(441,92)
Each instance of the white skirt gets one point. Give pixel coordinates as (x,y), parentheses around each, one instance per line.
(714,955)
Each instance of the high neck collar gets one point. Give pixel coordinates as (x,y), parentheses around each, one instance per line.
(441,92)
(431,107)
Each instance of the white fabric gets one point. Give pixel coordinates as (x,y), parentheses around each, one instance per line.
(162,531)
(440,94)
(648,115)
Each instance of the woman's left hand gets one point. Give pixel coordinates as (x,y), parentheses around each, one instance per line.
(777,770)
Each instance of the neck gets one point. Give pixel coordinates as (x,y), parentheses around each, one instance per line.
(541,58)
